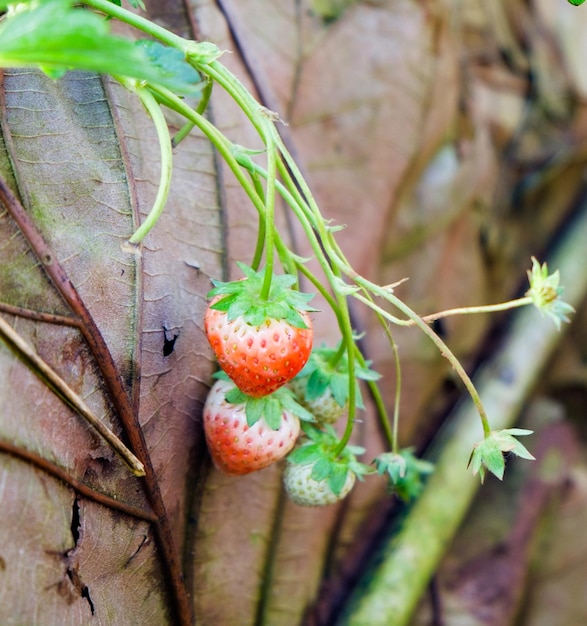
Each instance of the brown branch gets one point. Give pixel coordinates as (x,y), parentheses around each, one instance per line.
(68,395)
(116,390)
(76,485)
(39,316)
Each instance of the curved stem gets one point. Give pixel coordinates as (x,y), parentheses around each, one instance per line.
(260,245)
(337,355)
(443,348)
(185,130)
(154,110)
(469,310)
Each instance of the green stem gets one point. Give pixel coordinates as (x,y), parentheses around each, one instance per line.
(378,399)
(260,245)
(154,110)
(218,140)
(469,310)
(186,129)
(337,355)
(442,347)
(269,214)
(292,196)
(140,23)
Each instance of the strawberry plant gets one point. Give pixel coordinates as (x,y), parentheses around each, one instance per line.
(260,327)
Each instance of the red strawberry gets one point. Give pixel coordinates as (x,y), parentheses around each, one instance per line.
(239,442)
(261,344)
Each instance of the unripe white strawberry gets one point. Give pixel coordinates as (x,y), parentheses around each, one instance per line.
(324,408)
(305,491)
(322,386)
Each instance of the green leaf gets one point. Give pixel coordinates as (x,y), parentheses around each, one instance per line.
(576,3)
(171,63)
(305,454)
(56,36)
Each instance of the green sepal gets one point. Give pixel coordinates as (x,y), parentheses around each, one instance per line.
(221,375)
(488,455)
(270,407)
(337,477)
(289,403)
(322,376)
(242,298)
(236,396)
(322,469)
(319,449)
(317,384)
(305,454)
(339,388)
(254,410)
(576,3)
(273,412)
(405,472)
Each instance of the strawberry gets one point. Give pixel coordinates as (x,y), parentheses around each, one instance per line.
(306,491)
(323,384)
(317,474)
(261,344)
(246,434)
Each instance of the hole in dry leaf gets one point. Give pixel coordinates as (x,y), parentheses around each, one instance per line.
(75,522)
(169,340)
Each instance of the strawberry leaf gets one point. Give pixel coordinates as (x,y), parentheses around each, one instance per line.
(55,36)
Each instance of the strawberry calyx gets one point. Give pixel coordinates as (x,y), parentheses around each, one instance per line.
(405,472)
(318,448)
(327,370)
(242,298)
(270,407)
